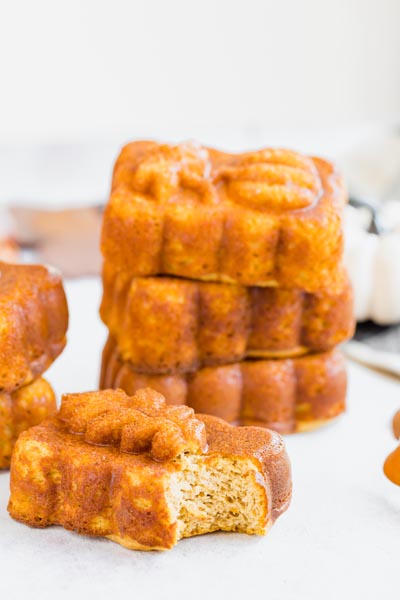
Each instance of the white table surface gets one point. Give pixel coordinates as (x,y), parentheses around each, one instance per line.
(339,539)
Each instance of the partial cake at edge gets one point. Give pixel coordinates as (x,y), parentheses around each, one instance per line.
(286,395)
(170,325)
(145,474)
(33,322)
(20,410)
(269,217)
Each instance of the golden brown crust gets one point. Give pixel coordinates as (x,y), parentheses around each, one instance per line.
(20,410)
(170,325)
(58,478)
(136,424)
(33,323)
(286,395)
(271,217)
(268,449)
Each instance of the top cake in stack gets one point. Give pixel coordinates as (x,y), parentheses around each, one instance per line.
(213,259)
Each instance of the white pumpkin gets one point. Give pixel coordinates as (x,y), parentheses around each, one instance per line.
(373,263)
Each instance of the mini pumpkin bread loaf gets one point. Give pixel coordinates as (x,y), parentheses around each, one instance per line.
(33,323)
(270,217)
(145,474)
(21,409)
(170,325)
(286,395)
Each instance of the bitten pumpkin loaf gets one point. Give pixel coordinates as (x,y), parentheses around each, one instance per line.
(33,323)
(270,217)
(170,325)
(145,474)
(21,409)
(286,395)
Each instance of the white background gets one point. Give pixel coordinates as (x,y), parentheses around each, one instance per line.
(95,69)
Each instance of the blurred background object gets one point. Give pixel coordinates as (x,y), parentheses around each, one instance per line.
(9,250)
(102,69)
(68,239)
(372,256)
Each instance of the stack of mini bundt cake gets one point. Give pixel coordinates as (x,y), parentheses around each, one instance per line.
(33,324)
(224,287)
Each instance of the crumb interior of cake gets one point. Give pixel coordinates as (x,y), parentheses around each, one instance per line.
(217,493)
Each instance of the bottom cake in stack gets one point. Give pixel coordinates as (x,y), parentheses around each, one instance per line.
(287,395)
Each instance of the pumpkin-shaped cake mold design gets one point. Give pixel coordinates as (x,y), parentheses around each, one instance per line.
(263,218)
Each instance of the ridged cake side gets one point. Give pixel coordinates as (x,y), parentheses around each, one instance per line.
(169,325)
(271,217)
(33,323)
(286,395)
(20,410)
